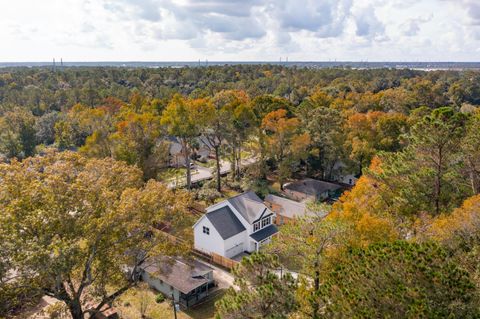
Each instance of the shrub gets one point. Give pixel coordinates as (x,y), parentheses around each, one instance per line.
(159,298)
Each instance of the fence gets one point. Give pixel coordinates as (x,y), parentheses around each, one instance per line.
(212,257)
(223,261)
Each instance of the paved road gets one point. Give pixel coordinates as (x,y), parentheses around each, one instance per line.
(202,173)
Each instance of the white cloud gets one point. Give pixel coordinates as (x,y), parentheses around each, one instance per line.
(240,29)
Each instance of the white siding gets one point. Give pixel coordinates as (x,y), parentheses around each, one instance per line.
(235,245)
(214,242)
(207,243)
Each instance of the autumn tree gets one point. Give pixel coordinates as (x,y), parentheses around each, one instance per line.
(264,291)
(137,141)
(213,116)
(285,141)
(73,127)
(264,104)
(459,232)
(325,127)
(99,124)
(372,132)
(180,119)
(45,128)
(240,124)
(17,133)
(77,228)
(304,245)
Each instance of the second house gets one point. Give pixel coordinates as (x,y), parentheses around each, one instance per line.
(239,224)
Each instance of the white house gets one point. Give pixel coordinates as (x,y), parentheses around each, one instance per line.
(239,224)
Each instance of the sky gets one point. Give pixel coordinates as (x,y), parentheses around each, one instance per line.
(240,30)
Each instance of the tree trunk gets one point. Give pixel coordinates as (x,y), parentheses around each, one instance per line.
(75,309)
(217,159)
(233,164)
(239,162)
(186,154)
(316,284)
(474,180)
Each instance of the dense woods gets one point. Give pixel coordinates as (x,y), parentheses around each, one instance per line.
(404,241)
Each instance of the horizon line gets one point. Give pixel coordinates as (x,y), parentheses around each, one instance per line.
(242,61)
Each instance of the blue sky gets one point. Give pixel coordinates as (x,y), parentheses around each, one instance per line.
(240,30)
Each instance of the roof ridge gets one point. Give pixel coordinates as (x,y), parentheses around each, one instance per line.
(238,195)
(254,201)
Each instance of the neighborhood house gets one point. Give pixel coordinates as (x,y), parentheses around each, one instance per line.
(311,190)
(287,210)
(202,150)
(188,282)
(239,224)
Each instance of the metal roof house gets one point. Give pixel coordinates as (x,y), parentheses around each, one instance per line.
(239,224)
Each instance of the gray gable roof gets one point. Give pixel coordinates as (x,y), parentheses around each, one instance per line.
(249,205)
(264,233)
(290,208)
(225,222)
(311,186)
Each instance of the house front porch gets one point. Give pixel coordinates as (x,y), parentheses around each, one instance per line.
(263,237)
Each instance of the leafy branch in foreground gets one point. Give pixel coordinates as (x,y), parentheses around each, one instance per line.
(77,227)
(263,291)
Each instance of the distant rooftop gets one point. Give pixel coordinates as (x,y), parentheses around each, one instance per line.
(290,208)
(312,187)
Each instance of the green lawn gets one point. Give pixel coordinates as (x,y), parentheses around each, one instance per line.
(172,173)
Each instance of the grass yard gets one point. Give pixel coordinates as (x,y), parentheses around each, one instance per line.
(172,173)
(130,304)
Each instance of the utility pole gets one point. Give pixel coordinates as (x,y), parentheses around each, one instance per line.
(174,306)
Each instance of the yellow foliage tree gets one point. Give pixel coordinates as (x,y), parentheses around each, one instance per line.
(365,212)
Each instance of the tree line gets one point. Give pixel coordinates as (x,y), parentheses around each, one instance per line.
(402,242)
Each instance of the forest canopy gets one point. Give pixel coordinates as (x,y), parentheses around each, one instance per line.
(404,241)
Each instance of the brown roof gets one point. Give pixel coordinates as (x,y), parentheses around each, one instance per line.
(180,274)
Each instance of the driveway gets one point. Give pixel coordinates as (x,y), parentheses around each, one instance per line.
(223,278)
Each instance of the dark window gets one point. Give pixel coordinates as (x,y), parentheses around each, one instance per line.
(266,222)
(206,230)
